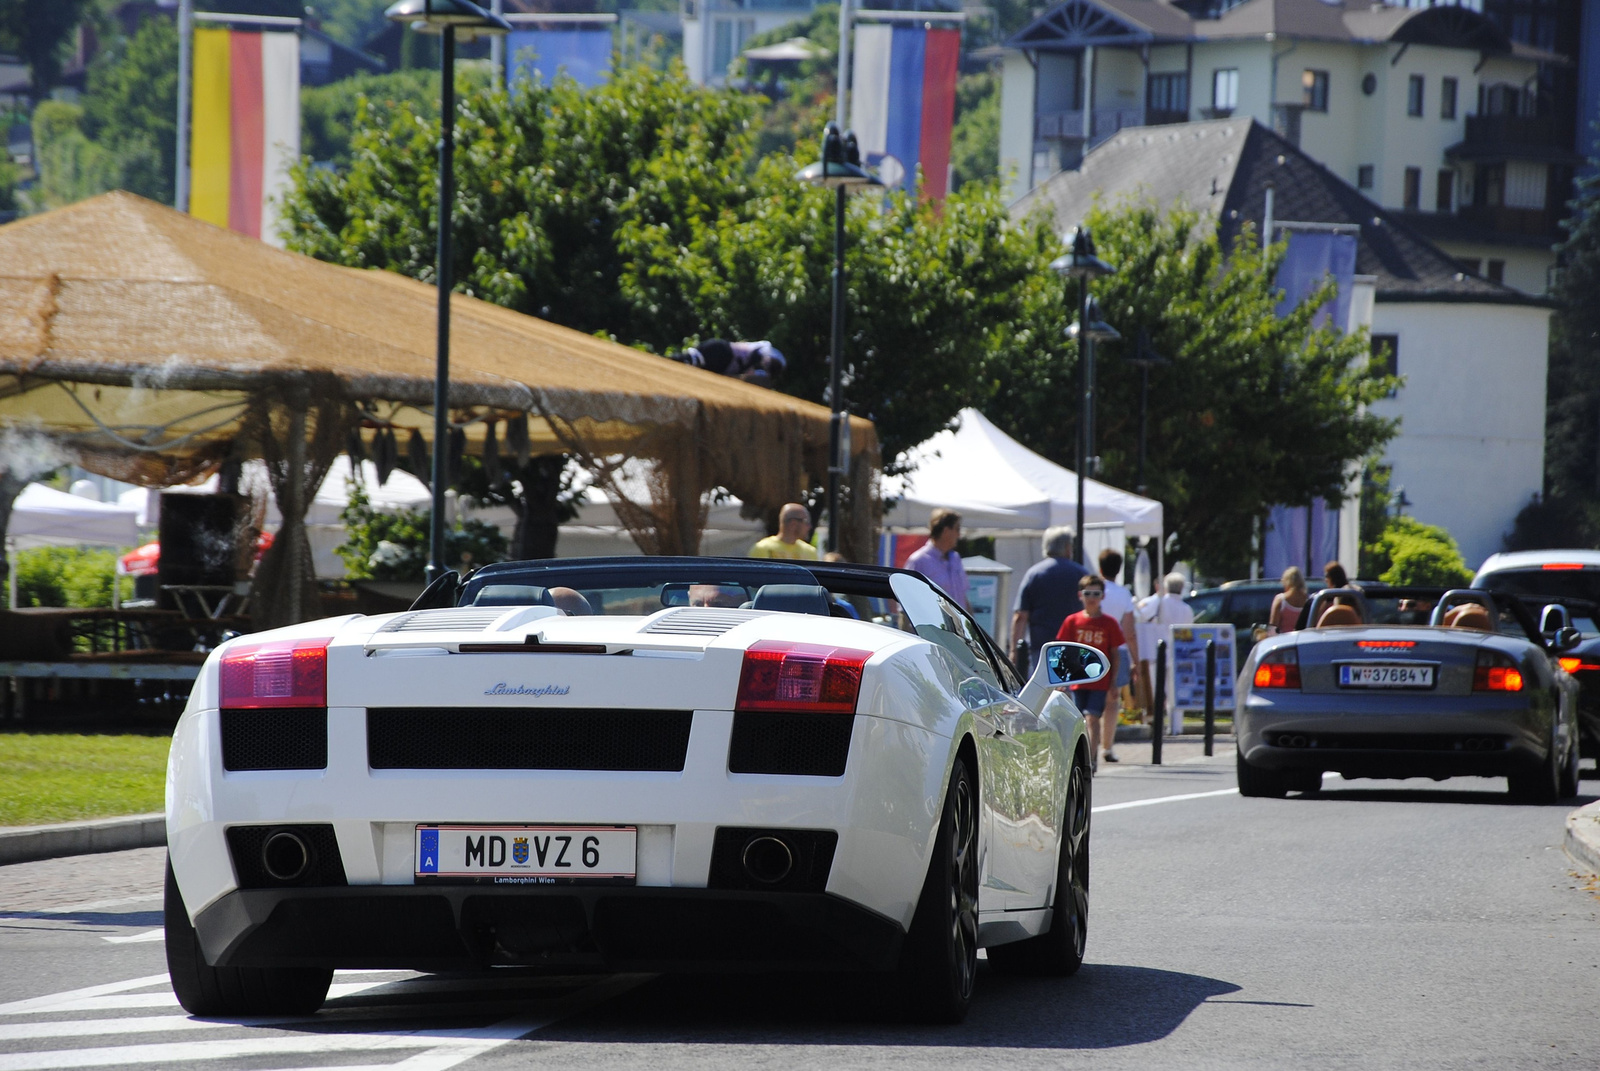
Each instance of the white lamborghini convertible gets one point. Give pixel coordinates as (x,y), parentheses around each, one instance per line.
(629,764)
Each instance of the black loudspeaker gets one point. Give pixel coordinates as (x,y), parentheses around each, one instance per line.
(198,535)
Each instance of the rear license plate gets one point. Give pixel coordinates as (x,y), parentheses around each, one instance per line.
(527,855)
(1380,676)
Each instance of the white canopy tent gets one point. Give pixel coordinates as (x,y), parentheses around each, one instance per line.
(43,516)
(1000,486)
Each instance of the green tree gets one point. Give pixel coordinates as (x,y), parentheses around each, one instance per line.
(349,21)
(38,31)
(330,114)
(936,293)
(1254,409)
(545,177)
(130,109)
(801,103)
(67,576)
(975,142)
(1410,552)
(71,167)
(382,545)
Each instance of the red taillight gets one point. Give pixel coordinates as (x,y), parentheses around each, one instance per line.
(277,673)
(801,676)
(1570,664)
(1496,672)
(1379,644)
(1561,566)
(1280,669)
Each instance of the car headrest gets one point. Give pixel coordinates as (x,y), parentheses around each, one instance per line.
(792,598)
(1338,614)
(1469,615)
(511,595)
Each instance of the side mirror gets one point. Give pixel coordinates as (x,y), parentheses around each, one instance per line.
(1566,638)
(1072,663)
(1553,617)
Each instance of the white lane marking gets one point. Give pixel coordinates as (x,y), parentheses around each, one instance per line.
(18,1007)
(144,1024)
(1164,799)
(96,905)
(138,938)
(445,1047)
(65,1002)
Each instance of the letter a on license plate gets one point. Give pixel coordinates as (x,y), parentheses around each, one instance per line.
(527,855)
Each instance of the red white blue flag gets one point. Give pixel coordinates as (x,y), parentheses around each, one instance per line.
(903,103)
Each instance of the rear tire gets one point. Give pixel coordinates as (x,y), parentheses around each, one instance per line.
(1059,950)
(1256,781)
(939,962)
(213,991)
(1539,785)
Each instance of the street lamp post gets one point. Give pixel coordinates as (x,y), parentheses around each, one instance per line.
(450,19)
(839,169)
(1080,263)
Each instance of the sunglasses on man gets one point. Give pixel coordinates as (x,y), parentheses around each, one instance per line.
(1092,592)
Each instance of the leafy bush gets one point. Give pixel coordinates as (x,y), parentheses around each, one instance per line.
(394,546)
(1412,553)
(67,576)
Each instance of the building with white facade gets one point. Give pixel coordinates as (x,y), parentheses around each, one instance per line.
(716,31)
(1473,354)
(1431,112)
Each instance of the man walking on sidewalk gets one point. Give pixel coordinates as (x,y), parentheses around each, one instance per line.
(1100,631)
(1047,594)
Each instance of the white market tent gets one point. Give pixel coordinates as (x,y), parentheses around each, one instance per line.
(43,516)
(997,484)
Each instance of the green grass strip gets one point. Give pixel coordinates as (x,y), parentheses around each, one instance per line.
(59,777)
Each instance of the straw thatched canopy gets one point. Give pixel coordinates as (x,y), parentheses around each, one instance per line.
(152,347)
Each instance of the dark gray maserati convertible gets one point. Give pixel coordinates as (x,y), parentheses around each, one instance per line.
(1410,682)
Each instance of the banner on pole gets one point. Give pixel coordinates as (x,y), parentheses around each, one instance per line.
(1311,258)
(582,52)
(245,127)
(902,107)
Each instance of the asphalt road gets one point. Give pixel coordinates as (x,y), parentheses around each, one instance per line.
(1378,924)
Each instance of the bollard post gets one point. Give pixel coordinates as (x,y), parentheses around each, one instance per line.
(1159,715)
(1211,693)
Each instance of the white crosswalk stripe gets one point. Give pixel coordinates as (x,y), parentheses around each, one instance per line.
(365,1029)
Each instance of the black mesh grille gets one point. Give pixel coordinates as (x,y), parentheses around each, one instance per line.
(427,738)
(1390,741)
(325,866)
(772,743)
(275,739)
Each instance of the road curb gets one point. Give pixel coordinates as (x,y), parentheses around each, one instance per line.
(23,844)
(1583,837)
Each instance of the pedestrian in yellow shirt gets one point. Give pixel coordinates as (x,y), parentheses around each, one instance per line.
(794,525)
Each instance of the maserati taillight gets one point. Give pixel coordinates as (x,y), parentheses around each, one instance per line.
(276,673)
(801,676)
(1279,669)
(1496,672)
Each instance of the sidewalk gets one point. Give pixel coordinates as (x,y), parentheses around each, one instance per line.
(23,844)
(1583,837)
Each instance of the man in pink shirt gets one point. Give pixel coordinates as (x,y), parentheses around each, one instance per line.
(937,558)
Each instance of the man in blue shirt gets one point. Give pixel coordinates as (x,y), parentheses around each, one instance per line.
(1047,595)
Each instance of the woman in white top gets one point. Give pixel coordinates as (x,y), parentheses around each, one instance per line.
(1153,615)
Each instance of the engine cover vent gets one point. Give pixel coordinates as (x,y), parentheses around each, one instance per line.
(701,621)
(465,619)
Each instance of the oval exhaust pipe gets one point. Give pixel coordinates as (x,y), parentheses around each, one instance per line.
(767,860)
(286,856)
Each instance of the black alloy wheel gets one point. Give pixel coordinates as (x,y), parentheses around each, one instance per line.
(939,962)
(209,991)
(1059,950)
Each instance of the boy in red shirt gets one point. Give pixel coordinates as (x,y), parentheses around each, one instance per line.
(1100,631)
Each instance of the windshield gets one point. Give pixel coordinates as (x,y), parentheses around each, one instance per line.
(635,587)
(1557,583)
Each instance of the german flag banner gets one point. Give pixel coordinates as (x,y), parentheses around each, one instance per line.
(245,127)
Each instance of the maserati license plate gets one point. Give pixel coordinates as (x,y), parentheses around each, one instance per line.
(1385,676)
(527,855)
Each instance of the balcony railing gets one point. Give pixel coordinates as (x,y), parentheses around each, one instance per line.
(1068,125)
(1515,131)
(1521,222)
